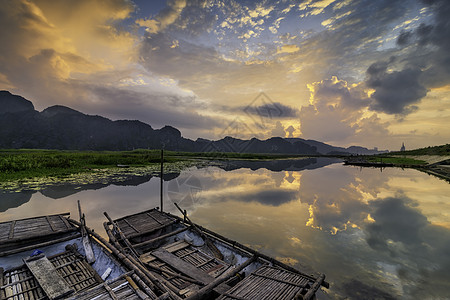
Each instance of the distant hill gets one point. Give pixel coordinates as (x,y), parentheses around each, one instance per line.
(60,127)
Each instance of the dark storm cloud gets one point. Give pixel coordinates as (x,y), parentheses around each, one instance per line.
(272,110)
(356,289)
(395,92)
(404,38)
(425,66)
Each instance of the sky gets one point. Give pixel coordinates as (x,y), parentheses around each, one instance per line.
(351,72)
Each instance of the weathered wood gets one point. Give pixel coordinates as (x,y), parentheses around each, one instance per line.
(85,237)
(131,225)
(47,276)
(131,263)
(249,250)
(110,291)
(209,243)
(11,231)
(173,274)
(155,219)
(205,263)
(66,223)
(143,286)
(312,290)
(221,279)
(161,237)
(279,280)
(176,246)
(152,229)
(40,245)
(123,237)
(182,266)
(52,227)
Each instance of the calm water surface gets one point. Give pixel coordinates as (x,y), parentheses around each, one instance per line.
(376,235)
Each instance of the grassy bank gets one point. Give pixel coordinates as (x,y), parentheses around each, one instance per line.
(29,163)
(17,164)
(397,161)
(434,150)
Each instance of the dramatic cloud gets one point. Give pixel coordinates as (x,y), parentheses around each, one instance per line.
(425,66)
(336,113)
(210,59)
(395,92)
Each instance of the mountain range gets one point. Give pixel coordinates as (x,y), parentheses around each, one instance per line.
(60,127)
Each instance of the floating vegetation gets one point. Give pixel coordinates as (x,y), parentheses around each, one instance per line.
(94,176)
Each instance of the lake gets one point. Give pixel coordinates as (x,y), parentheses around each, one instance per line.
(375,234)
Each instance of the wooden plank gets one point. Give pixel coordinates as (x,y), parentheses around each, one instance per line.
(150,229)
(279,280)
(65,221)
(50,223)
(35,246)
(31,218)
(131,225)
(11,230)
(182,266)
(176,246)
(161,237)
(155,219)
(50,281)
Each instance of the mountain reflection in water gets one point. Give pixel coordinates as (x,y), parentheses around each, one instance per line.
(375,235)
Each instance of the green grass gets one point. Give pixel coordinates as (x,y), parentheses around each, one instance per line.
(405,161)
(28,163)
(17,164)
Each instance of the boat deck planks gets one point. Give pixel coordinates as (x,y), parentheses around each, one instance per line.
(268,283)
(17,230)
(143,223)
(69,265)
(122,287)
(182,266)
(188,262)
(192,271)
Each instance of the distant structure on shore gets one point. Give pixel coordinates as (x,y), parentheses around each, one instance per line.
(402,149)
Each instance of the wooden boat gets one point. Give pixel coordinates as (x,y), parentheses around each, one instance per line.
(196,263)
(45,258)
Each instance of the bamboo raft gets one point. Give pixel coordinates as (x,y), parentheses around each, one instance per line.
(195,263)
(61,270)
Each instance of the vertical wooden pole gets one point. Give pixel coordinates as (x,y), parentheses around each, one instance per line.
(162,173)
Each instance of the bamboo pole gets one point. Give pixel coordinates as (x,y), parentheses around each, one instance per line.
(136,265)
(311,290)
(249,250)
(129,262)
(221,279)
(123,237)
(185,278)
(40,245)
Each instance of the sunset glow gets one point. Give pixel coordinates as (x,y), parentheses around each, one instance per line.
(351,72)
